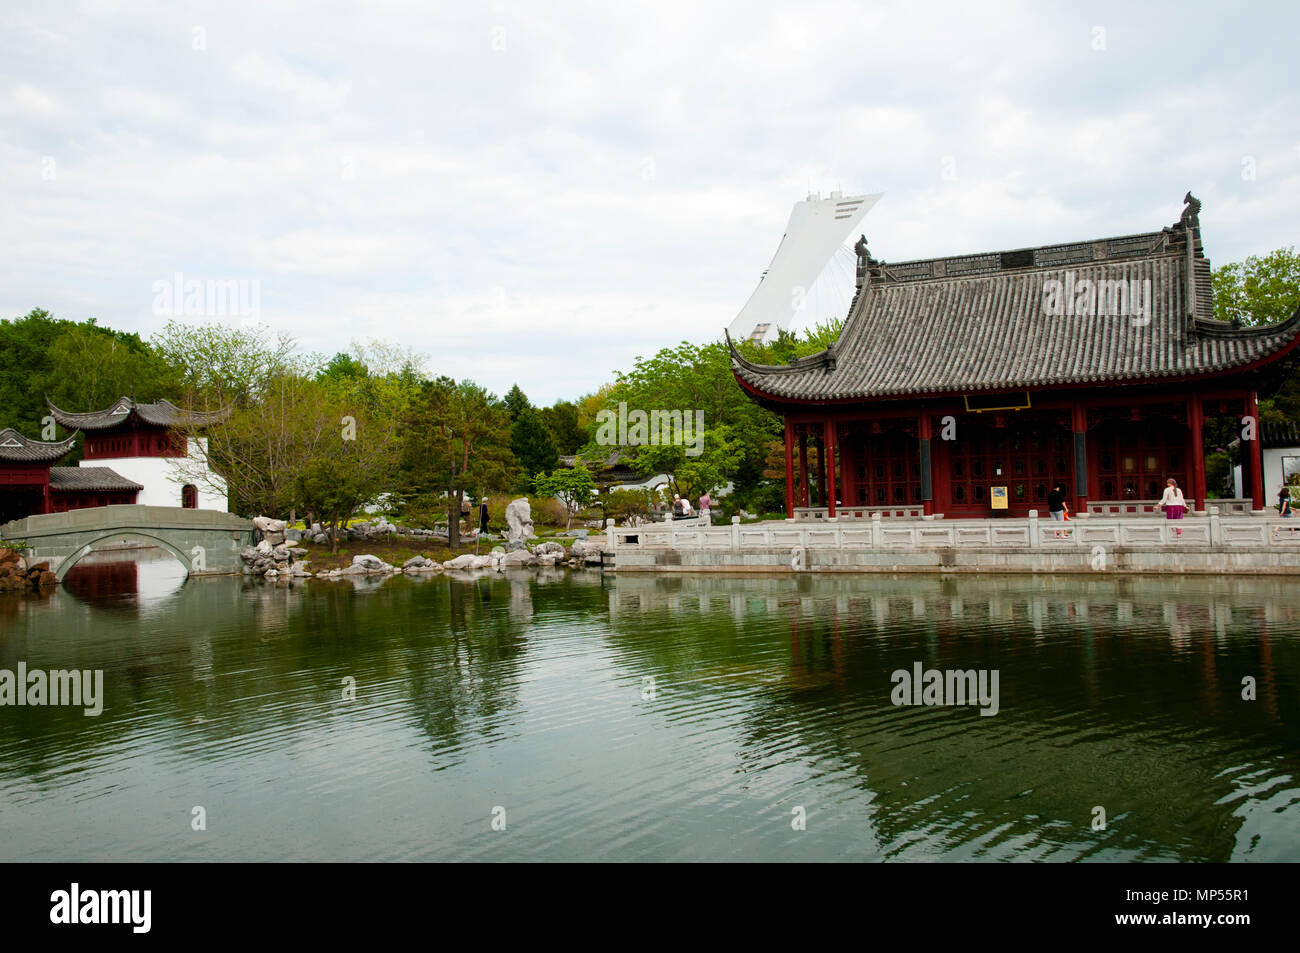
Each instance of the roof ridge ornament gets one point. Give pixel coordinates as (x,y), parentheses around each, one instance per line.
(1191,213)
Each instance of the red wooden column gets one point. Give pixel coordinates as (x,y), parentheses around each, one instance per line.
(828,468)
(847,483)
(803,466)
(1079,428)
(927,477)
(821,467)
(789,469)
(1252,450)
(1196,423)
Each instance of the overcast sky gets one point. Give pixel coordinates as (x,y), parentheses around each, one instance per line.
(539,193)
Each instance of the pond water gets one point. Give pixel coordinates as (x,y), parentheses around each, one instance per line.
(570,716)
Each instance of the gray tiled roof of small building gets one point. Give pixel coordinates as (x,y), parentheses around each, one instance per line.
(162,413)
(89,479)
(15,448)
(917,328)
(1284,433)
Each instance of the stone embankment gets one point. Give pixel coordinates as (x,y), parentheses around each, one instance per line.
(275,557)
(16,575)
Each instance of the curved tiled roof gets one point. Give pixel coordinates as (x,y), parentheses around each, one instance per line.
(90,479)
(15,448)
(125,410)
(982,323)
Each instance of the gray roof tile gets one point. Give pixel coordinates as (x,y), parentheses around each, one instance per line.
(163,413)
(89,479)
(15,448)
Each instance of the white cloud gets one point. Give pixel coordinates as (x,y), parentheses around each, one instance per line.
(622,174)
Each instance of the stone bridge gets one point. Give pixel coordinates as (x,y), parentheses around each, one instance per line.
(207,542)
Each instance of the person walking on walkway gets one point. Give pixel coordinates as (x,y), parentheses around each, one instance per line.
(706,507)
(1173,503)
(482,516)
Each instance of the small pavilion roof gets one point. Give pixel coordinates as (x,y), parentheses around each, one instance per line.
(1279,433)
(15,448)
(126,411)
(90,479)
(985,322)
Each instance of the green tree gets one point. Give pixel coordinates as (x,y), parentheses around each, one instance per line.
(690,379)
(342,366)
(263,445)
(531,444)
(221,366)
(561,421)
(1263,289)
(352,465)
(457,441)
(108,365)
(575,488)
(516,402)
(79,366)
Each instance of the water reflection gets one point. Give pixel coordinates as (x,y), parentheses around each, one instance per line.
(660,717)
(125,578)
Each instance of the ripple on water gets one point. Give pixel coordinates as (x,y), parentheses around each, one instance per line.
(660,719)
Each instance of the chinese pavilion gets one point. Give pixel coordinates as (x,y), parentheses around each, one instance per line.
(969,386)
(147,444)
(31,484)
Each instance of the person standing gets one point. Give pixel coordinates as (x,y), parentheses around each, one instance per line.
(678,512)
(1173,503)
(706,507)
(482,516)
(1056,507)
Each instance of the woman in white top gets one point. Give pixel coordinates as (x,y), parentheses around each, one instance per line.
(1173,503)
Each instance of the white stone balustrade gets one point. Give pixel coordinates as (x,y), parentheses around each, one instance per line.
(1214,531)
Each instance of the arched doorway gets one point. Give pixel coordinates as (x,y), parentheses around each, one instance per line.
(190,496)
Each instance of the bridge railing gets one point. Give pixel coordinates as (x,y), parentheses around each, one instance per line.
(1033,533)
(122,516)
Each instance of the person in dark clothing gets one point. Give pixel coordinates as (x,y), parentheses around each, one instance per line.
(1056,502)
(482,515)
(1056,508)
(1284,501)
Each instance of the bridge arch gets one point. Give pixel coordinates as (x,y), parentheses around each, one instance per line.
(123,535)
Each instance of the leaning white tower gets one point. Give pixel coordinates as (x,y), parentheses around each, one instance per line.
(813,273)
